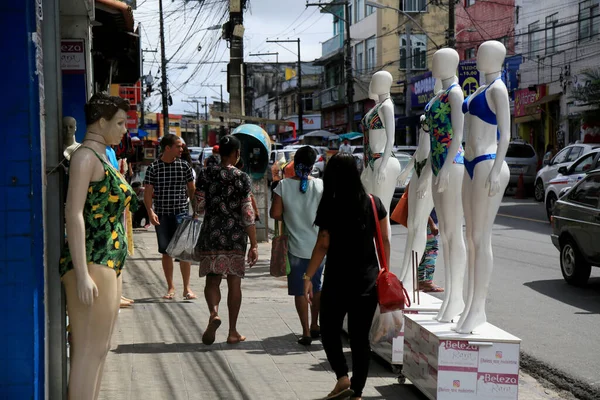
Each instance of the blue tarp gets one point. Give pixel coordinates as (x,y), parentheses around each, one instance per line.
(350,135)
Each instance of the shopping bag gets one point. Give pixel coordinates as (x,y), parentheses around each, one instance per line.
(400,213)
(385,327)
(280,264)
(183,244)
(391,293)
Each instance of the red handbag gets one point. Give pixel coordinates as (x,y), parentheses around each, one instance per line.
(391,293)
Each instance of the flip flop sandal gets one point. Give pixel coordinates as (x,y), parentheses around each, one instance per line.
(208,337)
(315,334)
(190,296)
(343,394)
(169,296)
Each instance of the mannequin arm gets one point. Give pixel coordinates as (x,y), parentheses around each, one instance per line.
(79,183)
(409,167)
(456,99)
(425,180)
(499,97)
(388,120)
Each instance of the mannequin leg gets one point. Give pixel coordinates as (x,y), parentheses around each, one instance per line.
(484,213)
(467,193)
(385,190)
(449,209)
(91,328)
(114,323)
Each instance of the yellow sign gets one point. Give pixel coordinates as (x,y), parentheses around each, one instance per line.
(290,73)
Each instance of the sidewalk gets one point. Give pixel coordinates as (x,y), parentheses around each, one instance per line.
(157,352)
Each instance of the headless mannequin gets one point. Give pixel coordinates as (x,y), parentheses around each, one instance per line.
(420,204)
(482,194)
(69,142)
(93,291)
(380,178)
(446,188)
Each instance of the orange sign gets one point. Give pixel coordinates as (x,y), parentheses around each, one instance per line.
(525,97)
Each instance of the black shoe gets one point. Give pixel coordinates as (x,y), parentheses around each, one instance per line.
(315,334)
(305,341)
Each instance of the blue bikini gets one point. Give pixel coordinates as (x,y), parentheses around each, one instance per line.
(478,106)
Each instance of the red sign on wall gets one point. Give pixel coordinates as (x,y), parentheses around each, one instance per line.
(132,119)
(131,93)
(525,97)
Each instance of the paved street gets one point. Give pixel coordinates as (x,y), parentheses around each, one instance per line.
(157,353)
(558,323)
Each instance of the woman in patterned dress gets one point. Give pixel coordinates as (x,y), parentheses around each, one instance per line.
(223,192)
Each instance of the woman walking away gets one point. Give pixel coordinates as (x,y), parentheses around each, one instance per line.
(346,229)
(295,201)
(223,192)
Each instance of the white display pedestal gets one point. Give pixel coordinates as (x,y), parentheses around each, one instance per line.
(446,365)
(392,352)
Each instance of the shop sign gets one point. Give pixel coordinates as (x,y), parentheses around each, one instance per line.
(132,119)
(525,97)
(468,77)
(421,89)
(72,56)
(131,93)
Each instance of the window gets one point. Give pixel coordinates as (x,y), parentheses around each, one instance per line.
(307,99)
(533,34)
(294,102)
(360,65)
(360,10)
(414,6)
(371,60)
(469,3)
(350,15)
(551,22)
(516,150)
(370,10)
(561,157)
(575,153)
(583,165)
(587,192)
(418,57)
(589,19)
(470,53)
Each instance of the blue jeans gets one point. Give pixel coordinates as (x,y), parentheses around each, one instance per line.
(298,267)
(166,230)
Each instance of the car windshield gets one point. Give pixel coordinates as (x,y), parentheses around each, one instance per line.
(357,150)
(520,151)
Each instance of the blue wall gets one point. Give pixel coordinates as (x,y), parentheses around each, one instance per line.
(74,98)
(21,214)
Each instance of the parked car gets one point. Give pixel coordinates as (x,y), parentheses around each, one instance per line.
(206,152)
(576,229)
(195,153)
(569,176)
(522,160)
(410,150)
(563,158)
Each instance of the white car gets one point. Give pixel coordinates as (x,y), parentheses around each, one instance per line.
(563,158)
(569,176)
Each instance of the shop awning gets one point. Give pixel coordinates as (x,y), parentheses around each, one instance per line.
(544,100)
(121,12)
(350,135)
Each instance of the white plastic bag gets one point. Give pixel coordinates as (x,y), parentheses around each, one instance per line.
(183,244)
(386,327)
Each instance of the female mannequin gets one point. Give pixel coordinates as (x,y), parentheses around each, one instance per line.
(381,167)
(445,120)
(97,247)
(420,203)
(69,142)
(487,176)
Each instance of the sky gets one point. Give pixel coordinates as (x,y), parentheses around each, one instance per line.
(185,31)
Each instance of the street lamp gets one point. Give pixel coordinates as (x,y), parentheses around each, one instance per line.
(399,11)
(465,29)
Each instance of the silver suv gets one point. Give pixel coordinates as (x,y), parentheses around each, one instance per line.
(521,159)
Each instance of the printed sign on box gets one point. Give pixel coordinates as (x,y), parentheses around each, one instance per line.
(497,386)
(502,358)
(457,386)
(458,353)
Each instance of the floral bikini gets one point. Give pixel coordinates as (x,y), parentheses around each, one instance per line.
(105,238)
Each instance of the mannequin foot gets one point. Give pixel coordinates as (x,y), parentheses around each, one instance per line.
(214,323)
(124,303)
(470,322)
(341,390)
(452,310)
(235,338)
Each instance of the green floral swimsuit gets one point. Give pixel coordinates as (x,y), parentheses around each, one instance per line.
(105,238)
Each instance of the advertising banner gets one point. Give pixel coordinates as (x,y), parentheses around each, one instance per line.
(524,97)
(469,78)
(421,89)
(72,56)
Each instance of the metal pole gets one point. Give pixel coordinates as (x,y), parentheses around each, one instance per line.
(163,68)
(236,57)
(451,36)
(300,111)
(221,118)
(197,123)
(205,108)
(348,65)
(408,64)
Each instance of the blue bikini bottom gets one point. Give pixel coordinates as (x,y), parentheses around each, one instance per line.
(470,164)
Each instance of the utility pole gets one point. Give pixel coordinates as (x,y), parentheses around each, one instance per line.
(300,102)
(407,73)
(235,74)
(144,80)
(451,37)
(163,69)
(326,7)
(197,118)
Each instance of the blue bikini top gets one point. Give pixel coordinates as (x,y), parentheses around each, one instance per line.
(479,106)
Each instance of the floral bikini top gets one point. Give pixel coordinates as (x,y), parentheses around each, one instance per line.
(105,238)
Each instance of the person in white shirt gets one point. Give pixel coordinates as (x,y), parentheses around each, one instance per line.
(295,201)
(345,148)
